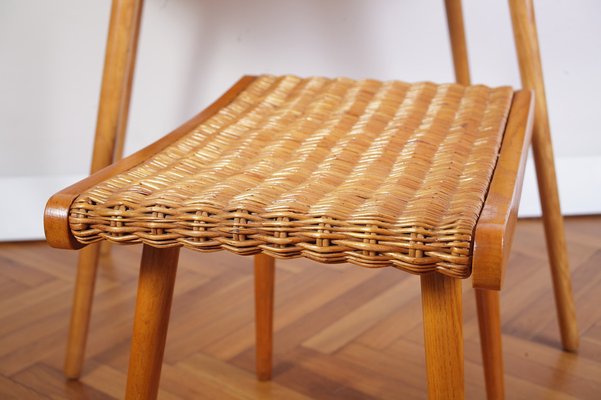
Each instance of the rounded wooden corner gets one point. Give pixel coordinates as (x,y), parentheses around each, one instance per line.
(56,222)
(489,256)
(56,214)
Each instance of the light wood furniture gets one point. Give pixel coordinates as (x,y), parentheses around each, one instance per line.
(436,232)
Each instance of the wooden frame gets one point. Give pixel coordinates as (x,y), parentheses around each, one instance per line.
(492,236)
(493,231)
(153,306)
(495,228)
(531,72)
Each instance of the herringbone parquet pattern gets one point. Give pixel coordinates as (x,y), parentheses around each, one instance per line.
(342,332)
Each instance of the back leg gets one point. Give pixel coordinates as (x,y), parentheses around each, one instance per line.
(81,310)
(458,42)
(526,42)
(110,131)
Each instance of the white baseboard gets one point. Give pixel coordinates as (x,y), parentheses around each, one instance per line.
(579,186)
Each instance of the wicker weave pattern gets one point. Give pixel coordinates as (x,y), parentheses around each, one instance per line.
(336,170)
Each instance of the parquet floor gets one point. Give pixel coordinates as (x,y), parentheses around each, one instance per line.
(342,332)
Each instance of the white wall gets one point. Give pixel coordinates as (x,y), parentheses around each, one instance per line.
(51,55)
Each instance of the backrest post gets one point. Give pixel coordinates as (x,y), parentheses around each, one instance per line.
(458,43)
(531,71)
(117,79)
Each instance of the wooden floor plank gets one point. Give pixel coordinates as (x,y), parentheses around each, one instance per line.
(9,389)
(342,332)
(227,380)
(361,319)
(112,383)
(51,382)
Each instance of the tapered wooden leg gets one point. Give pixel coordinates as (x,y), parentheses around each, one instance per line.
(264,287)
(117,79)
(110,131)
(443,334)
(127,79)
(82,307)
(153,305)
(458,42)
(105,248)
(526,41)
(489,320)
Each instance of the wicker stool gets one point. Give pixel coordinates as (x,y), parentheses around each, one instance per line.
(422,177)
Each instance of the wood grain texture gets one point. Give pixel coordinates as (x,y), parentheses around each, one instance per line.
(264,288)
(56,214)
(81,310)
(210,350)
(153,306)
(117,80)
(531,72)
(454,12)
(443,336)
(489,322)
(128,84)
(494,230)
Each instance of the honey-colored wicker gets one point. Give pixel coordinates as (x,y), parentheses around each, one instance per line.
(335,170)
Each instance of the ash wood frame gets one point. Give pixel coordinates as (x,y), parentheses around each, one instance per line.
(493,232)
(439,292)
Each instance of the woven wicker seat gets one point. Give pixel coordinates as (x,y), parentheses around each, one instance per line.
(373,173)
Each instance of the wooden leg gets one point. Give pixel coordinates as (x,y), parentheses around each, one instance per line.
(264,285)
(127,79)
(110,131)
(443,334)
(82,307)
(153,305)
(105,248)
(458,43)
(117,81)
(487,302)
(526,41)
